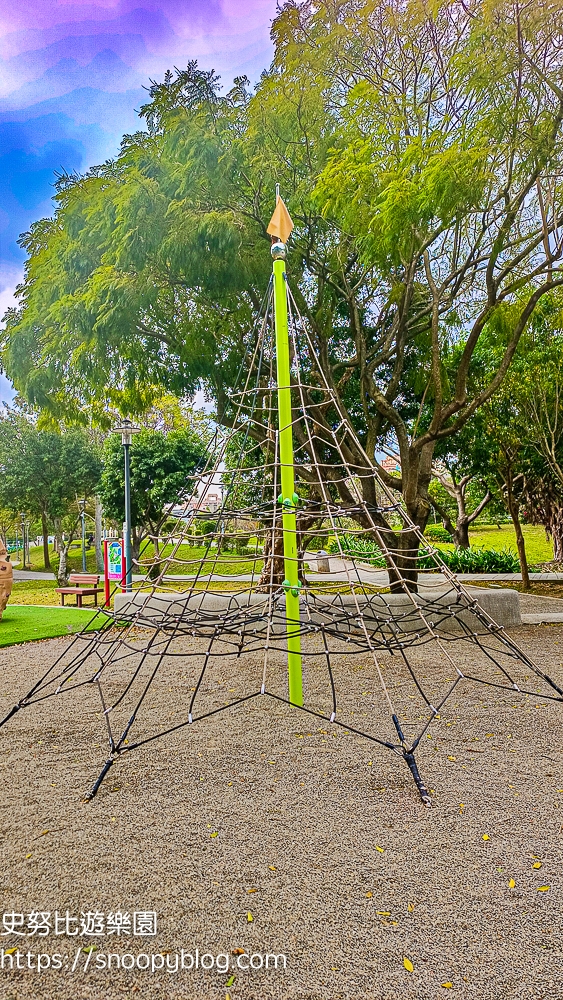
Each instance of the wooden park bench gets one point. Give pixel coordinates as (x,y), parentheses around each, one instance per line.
(84,585)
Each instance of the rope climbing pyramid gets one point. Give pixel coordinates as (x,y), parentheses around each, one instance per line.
(251,587)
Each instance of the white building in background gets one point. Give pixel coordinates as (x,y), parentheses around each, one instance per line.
(210,502)
(390,465)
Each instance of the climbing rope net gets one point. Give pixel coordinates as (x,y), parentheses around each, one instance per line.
(212,587)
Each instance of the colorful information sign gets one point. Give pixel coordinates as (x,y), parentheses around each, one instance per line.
(113,565)
(115,559)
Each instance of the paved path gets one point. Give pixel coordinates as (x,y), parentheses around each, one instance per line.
(29,574)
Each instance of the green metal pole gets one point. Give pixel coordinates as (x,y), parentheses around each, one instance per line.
(289,496)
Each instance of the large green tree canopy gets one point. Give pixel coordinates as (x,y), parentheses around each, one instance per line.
(418,146)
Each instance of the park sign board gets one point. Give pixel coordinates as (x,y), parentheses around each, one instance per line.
(114,565)
(115,559)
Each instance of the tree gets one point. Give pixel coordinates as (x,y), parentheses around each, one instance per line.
(162,466)
(543,498)
(7,524)
(418,147)
(459,500)
(507,458)
(44,473)
(536,387)
(515,441)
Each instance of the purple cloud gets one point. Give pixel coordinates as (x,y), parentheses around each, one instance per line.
(71,79)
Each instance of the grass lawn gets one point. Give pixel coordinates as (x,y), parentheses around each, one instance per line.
(538,550)
(21,623)
(229,564)
(43,592)
(74,559)
(488,536)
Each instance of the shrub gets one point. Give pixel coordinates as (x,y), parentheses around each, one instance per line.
(437,533)
(475,561)
(318,542)
(359,547)
(206,527)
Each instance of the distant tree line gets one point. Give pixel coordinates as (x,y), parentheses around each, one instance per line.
(45,473)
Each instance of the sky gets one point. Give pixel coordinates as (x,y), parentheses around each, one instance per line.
(72,76)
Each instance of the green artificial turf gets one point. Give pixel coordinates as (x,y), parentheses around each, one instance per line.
(22,623)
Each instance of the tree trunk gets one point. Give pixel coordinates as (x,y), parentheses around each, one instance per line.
(402,562)
(63,545)
(556,532)
(276,574)
(273,572)
(136,539)
(45,530)
(98,537)
(62,570)
(514,511)
(155,569)
(460,534)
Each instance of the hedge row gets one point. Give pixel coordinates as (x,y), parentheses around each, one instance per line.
(475,560)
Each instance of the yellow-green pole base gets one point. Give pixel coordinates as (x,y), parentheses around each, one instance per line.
(288,496)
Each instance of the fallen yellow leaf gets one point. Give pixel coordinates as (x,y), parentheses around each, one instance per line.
(383,913)
(410,907)
(536,864)
(461,808)
(380,849)
(249,917)
(369,895)
(485,836)
(511,884)
(452,758)
(272,868)
(28,856)
(408,964)
(447,986)
(214,834)
(10,951)
(544,888)
(252,890)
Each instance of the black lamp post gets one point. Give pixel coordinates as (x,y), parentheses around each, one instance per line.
(127,429)
(22,522)
(82,507)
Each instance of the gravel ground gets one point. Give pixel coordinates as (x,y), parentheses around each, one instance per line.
(248,831)
(531,604)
